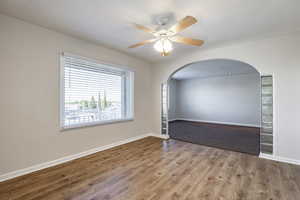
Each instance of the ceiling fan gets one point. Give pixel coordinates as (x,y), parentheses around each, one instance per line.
(164,37)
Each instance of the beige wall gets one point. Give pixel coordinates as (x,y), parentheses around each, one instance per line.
(278,56)
(29,103)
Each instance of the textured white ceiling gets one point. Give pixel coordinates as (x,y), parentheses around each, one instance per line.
(109,22)
(213,68)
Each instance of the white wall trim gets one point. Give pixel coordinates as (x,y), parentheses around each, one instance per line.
(279,159)
(41,166)
(165,137)
(216,122)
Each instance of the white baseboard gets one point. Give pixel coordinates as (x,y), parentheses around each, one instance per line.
(165,137)
(279,159)
(37,167)
(41,166)
(216,122)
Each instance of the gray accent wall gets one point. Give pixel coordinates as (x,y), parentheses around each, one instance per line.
(223,99)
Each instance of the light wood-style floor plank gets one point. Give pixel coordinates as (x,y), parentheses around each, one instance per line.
(155,169)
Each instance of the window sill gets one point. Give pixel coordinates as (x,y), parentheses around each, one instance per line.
(83,125)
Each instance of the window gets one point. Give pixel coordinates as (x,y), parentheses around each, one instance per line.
(94,93)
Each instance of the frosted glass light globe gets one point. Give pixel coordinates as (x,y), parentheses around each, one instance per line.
(163,45)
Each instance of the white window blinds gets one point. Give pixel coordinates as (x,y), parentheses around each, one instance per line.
(94,93)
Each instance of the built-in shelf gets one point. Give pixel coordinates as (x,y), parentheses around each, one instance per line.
(266,139)
(164,114)
(266,131)
(266,148)
(268,114)
(267,104)
(266,134)
(266,95)
(267,85)
(267,144)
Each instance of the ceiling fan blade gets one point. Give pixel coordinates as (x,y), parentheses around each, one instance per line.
(144,28)
(188,41)
(143,43)
(183,24)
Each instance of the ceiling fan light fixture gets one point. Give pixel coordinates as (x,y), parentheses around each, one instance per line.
(165,36)
(164,46)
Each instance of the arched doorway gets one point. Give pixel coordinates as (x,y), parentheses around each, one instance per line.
(220,103)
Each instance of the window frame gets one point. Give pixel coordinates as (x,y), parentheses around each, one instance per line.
(127,93)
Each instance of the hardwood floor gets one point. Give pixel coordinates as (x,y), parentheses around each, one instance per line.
(151,169)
